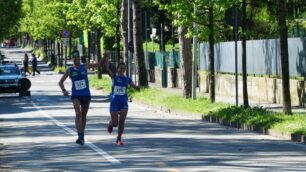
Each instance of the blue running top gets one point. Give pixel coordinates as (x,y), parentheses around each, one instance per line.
(79,79)
(119,88)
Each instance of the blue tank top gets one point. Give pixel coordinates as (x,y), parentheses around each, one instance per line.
(79,79)
(119,88)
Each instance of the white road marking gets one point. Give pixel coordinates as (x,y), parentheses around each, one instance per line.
(88,143)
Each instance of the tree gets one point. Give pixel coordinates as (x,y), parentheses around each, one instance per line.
(183,11)
(211,54)
(244,56)
(124,27)
(10,14)
(281,15)
(283,30)
(185,54)
(138,48)
(98,16)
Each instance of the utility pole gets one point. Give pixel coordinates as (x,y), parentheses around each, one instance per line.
(146,37)
(129,39)
(194,72)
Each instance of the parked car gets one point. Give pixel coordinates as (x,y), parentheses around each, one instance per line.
(9,43)
(12,81)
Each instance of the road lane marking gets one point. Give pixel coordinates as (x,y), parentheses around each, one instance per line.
(88,143)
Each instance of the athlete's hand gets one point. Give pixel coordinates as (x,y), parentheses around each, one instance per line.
(65,93)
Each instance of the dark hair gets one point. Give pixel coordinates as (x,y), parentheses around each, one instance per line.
(75,54)
(121,63)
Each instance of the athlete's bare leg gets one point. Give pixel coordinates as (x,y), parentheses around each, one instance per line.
(78,115)
(84,110)
(122,117)
(114,119)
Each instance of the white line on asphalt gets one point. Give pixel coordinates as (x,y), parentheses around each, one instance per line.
(89,144)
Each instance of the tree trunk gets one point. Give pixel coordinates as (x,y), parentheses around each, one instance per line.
(284,56)
(244,57)
(186,61)
(211,56)
(138,48)
(118,36)
(124,28)
(98,44)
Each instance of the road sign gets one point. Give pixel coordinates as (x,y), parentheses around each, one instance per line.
(65,33)
(232,15)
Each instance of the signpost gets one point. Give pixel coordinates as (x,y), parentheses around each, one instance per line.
(65,39)
(232,18)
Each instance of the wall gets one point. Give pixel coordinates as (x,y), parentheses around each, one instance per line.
(260,89)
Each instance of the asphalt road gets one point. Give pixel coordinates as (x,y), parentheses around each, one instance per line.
(37,134)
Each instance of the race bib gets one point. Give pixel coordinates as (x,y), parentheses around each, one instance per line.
(80,85)
(119,90)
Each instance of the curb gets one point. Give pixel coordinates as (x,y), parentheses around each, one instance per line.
(288,136)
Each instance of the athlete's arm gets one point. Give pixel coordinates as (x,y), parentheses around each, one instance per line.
(99,64)
(106,65)
(95,65)
(61,83)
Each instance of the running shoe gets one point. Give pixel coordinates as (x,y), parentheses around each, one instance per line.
(110,129)
(119,142)
(79,141)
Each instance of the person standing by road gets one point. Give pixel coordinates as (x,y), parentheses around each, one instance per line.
(26,64)
(80,93)
(119,99)
(34,65)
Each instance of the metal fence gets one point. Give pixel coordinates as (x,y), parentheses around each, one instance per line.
(263,57)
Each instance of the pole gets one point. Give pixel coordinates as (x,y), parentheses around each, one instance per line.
(193,93)
(236,58)
(153,43)
(146,37)
(129,39)
(161,38)
(172,35)
(65,56)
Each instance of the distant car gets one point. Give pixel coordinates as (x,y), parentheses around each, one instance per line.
(9,43)
(12,81)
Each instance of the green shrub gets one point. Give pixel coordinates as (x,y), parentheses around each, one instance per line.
(59,69)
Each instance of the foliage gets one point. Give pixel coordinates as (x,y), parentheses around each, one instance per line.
(261,117)
(10,14)
(98,14)
(59,69)
(43,19)
(47,19)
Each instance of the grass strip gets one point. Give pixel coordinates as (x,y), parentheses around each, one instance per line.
(257,116)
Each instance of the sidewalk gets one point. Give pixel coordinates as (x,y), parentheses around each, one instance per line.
(232,100)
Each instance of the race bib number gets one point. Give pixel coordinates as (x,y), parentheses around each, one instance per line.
(119,90)
(80,85)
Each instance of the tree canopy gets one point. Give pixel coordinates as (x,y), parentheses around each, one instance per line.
(10,14)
